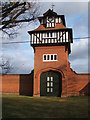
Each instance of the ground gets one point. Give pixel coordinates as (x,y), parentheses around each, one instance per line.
(14,106)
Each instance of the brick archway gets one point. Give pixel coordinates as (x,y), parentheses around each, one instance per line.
(37,78)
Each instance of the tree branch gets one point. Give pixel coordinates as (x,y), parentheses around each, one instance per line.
(16,4)
(15,21)
(6,12)
(16,13)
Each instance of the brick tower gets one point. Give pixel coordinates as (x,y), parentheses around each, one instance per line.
(51,43)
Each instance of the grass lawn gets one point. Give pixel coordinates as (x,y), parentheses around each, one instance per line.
(14,106)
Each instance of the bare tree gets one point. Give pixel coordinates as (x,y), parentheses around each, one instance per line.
(6,66)
(14,14)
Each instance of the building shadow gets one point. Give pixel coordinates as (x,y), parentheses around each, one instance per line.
(85,90)
(26,84)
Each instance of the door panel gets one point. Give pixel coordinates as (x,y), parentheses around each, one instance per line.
(50,84)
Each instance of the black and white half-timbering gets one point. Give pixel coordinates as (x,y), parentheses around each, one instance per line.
(51,37)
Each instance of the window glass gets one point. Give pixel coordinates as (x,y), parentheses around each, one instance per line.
(55,57)
(47,57)
(51,78)
(48,84)
(47,89)
(47,34)
(51,57)
(51,84)
(47,78)
(44,57)
(51,89)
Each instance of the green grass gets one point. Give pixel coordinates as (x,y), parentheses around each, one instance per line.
(14,106)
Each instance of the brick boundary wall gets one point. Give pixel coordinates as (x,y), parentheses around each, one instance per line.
(21,84)
(10,83)
(77,84)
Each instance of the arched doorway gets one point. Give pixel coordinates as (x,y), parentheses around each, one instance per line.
(50,84)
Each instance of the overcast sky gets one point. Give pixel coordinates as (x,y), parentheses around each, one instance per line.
(21,56)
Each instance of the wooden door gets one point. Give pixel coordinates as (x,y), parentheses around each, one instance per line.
(50,84)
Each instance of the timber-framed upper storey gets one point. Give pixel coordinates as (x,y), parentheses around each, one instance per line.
(52,31)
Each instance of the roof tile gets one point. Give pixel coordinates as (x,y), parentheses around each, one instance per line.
(43,28)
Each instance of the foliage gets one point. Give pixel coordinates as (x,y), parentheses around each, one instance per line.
(14,14)
(5,65)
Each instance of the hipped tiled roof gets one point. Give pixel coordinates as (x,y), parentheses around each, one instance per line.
(57,27)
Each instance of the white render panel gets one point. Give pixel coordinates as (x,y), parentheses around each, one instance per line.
(37,34)
(60,36)
(37,41)
(66,36)
(57,36)
(55,40)
(53,34)
(42,41)
(34,39)
(40,36)
(49,40)
(63,36)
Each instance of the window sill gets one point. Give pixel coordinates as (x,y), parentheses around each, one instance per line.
(50,60)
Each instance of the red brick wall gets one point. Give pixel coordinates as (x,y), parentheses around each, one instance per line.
(82,82)
(20,84)
(76,82)
(10,83)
